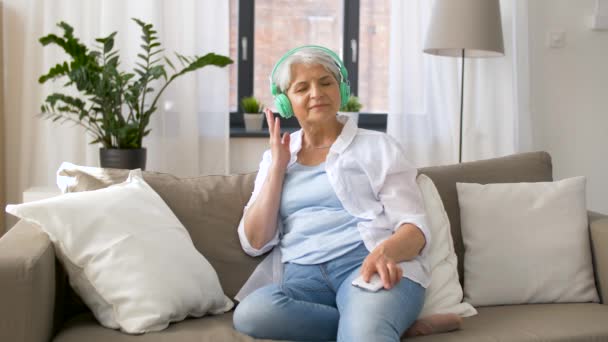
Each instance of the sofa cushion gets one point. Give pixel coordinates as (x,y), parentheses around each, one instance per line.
(513,323)
(210,208)
(444,293)
(526,243)
(531,323)
(209,329)
(523,167)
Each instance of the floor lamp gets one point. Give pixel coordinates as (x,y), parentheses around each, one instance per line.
(464,28)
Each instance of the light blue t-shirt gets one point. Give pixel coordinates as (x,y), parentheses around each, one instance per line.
(316,228)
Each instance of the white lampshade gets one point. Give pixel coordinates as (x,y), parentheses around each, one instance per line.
(472,25)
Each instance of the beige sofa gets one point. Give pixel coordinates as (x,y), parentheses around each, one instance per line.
(37,304)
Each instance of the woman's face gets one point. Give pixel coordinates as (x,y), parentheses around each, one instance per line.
(314,93)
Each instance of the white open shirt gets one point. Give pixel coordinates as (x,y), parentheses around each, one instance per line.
(373,180)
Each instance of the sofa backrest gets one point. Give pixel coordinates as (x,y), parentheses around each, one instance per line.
(523,167)
(210,207)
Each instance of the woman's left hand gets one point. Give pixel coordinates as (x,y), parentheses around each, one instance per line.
(378,262)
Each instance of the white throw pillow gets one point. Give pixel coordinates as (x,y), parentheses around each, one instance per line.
(526,243)
(444,294)
(128,256)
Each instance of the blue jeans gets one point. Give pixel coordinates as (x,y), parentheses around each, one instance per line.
(318,303)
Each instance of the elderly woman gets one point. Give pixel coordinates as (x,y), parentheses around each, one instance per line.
(337,203)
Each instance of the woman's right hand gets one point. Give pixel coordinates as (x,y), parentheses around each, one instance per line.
(279,146)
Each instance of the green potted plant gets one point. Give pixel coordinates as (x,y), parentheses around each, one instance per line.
(112,105)
(351,108)
(252,113)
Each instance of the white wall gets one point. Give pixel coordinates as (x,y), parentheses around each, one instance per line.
(569,94)
(246,154)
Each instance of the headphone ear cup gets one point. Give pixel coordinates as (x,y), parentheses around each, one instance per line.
(283,106)
(344,93)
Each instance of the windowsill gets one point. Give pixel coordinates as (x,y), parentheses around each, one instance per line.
(376,122)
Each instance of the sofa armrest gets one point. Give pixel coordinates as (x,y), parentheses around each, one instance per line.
(598,225)
(27,284)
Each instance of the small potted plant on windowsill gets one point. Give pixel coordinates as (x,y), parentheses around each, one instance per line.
(252,113)
(351,109)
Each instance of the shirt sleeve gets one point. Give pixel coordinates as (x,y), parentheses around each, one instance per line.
(400,195)
(259,182)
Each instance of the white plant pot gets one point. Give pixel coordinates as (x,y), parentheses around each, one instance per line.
(253,121)
(354,116)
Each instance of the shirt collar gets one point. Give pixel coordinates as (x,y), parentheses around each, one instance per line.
(346,136)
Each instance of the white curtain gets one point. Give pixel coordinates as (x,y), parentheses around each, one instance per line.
(190,131)
(424,101)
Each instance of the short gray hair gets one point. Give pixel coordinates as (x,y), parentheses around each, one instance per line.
(307,55)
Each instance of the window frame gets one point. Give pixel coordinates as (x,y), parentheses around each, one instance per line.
(245,60)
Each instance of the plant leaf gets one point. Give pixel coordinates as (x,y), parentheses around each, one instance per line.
(208,59)
(169,62)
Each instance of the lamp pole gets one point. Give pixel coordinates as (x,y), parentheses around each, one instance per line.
(461,106)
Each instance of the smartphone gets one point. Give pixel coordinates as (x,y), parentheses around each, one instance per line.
(375,283)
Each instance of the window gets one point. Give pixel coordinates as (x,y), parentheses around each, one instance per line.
(261,31)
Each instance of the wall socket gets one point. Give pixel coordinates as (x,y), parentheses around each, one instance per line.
(556,39)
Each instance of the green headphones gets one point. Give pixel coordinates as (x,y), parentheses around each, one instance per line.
(282,102)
